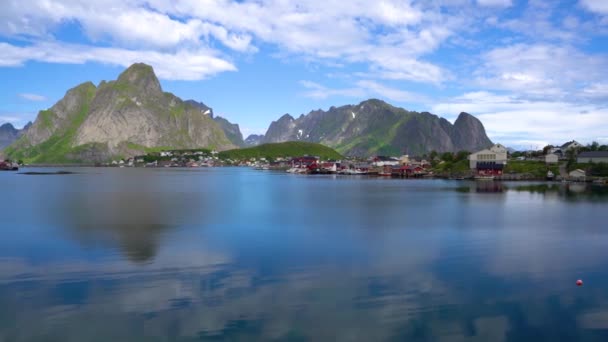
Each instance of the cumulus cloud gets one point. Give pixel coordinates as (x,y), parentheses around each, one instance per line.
(182,65)
(539,69)
(391,36)
(597,6)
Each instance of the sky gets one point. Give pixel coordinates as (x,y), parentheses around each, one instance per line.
(534,72)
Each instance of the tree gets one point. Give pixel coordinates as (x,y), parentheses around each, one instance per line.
(462,155)
(447,156)
(595,146)
(546,149)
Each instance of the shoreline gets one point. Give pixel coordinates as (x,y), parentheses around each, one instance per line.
(459,177)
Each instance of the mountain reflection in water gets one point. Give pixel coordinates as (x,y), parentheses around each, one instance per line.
(235,254)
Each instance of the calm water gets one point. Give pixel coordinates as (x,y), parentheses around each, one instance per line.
(237,254)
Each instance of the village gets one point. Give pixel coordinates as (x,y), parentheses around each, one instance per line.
(564,163)
(571,161)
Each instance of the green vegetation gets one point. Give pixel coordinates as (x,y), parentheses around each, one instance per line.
(592,169)
(450,163)
(453,167)
(59,147)
(286,149)
(535,168)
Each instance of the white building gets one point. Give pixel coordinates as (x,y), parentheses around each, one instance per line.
(577,174)
(551,158)
(571,145)
(592,157)
(496,154)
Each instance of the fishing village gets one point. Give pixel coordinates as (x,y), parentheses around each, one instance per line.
(570,162)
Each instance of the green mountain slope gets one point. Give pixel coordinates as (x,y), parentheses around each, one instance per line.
(116,119)
(286,149)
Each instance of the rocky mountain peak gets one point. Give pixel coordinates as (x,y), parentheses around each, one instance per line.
(142,77)
(8,127)
(469,132)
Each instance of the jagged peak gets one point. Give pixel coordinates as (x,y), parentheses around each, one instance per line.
(82,86)
(141,76)
(373,101)
(7,126)
(466,117)
(286,116)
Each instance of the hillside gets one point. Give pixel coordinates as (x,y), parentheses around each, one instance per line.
(115,119)
(375,127)
(286,149)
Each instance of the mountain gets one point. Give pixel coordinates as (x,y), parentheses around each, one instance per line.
(374,127)
(119,118)
(232,131)
(254,139)
(9,134)
(286,149)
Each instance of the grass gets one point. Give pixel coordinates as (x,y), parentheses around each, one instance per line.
(535,168)
(286,149)
(592,169)
(453,167)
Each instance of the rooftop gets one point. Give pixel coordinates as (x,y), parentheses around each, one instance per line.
(593,154)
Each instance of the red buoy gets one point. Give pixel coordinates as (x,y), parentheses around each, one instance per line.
(579,283)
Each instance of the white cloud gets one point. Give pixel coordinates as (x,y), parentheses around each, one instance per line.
(181,65)
(597,6)
(391,36)
(518,122)
(318,91)
(32,97)
(596,91)
(362,89)
(9,119)
(495,3)
(393,94)
(539,69)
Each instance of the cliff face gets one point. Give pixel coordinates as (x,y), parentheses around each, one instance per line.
(232,131)
(119,118)
(375,127)
(8,134)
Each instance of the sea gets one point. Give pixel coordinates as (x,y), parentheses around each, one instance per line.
(236,254)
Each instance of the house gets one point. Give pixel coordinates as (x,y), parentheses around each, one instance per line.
(496,154)
(409,171)
(304,161)
(592,157)
(404,160)
(166,154)
(577,174)
(381,161)
(570,145)
(551,158)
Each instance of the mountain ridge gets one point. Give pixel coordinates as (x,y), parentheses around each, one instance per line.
(376,127)
(132,115)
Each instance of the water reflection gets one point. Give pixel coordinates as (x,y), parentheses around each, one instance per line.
(231,254)
(566,191)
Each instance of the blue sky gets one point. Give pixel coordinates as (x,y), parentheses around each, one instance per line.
(534,72)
